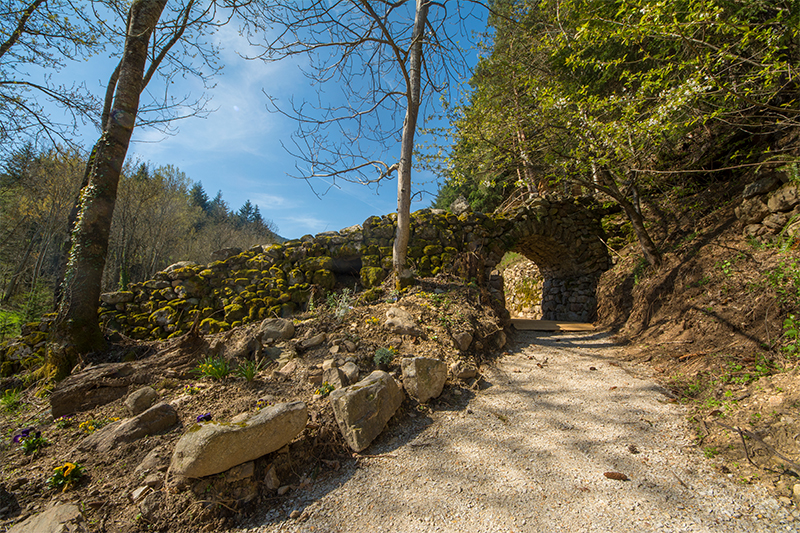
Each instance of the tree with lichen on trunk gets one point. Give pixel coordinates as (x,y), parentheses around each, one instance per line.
(152,47)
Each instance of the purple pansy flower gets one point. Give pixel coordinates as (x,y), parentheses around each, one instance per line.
(24,434)
(204,418)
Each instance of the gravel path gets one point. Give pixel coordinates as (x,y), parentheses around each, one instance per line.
(528,454)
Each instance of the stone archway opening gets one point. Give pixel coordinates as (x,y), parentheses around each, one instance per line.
(522,286)
(565,257)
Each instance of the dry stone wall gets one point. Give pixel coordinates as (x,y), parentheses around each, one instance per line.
(522,287)
(770,207)
(560,236)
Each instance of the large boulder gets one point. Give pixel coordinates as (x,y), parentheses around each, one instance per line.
(213,447)
(155,420)
(94,386)
(423,378)
(362,410)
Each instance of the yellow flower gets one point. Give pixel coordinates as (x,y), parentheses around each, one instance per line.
(68,467)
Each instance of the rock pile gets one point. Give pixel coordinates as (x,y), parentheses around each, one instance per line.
(770,206)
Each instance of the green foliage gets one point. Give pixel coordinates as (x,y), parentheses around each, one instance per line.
(325,389)
(65,476)
(341,304)
(791,331)
(10,322)
(214,368)
(64,422)
(710,452)
(384,356)
(785,280)
(11,400)
(249,369)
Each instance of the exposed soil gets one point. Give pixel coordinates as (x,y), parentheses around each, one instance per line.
(708,325)
(441,306)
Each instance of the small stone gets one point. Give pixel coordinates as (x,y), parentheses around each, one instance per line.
(796,490)
(154,481)
(284,489)
(141,400)
(311,342)
(138,493)
(240,472)
(786,502)
(271,480)
(294,514)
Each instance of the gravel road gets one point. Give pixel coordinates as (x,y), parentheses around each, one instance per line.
(529,453)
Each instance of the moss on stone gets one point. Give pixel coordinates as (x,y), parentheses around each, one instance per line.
(324,279)
(234,312)
(433,249)
(372,276)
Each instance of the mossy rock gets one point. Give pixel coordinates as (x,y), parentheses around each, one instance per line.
(315,264)
(139,333)
(164,316)
(209,325)
(324,279)
(285,297)
(207,273)
(415,252)
(447,258)
(8,368)
(270,301)
(345,250)
(433,249)
(245,296)
(372,295)
(236,324)
(385,251)
(287,310)
(235,312)
(172,335)
(371,261)
(301,297)
(276,273)
(372,249)
(35,338)
(241,281)
(372,276)
(296,276)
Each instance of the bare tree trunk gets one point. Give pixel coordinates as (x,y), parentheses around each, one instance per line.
(403,274)
(79,328)
(634,214)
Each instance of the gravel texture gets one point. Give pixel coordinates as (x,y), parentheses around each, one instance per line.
(529,452)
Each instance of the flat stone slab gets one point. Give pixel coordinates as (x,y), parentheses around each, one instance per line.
(63,518)
(215,447)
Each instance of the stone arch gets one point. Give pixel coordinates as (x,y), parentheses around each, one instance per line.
(565,240)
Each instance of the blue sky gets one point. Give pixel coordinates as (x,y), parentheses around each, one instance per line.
(237,148)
